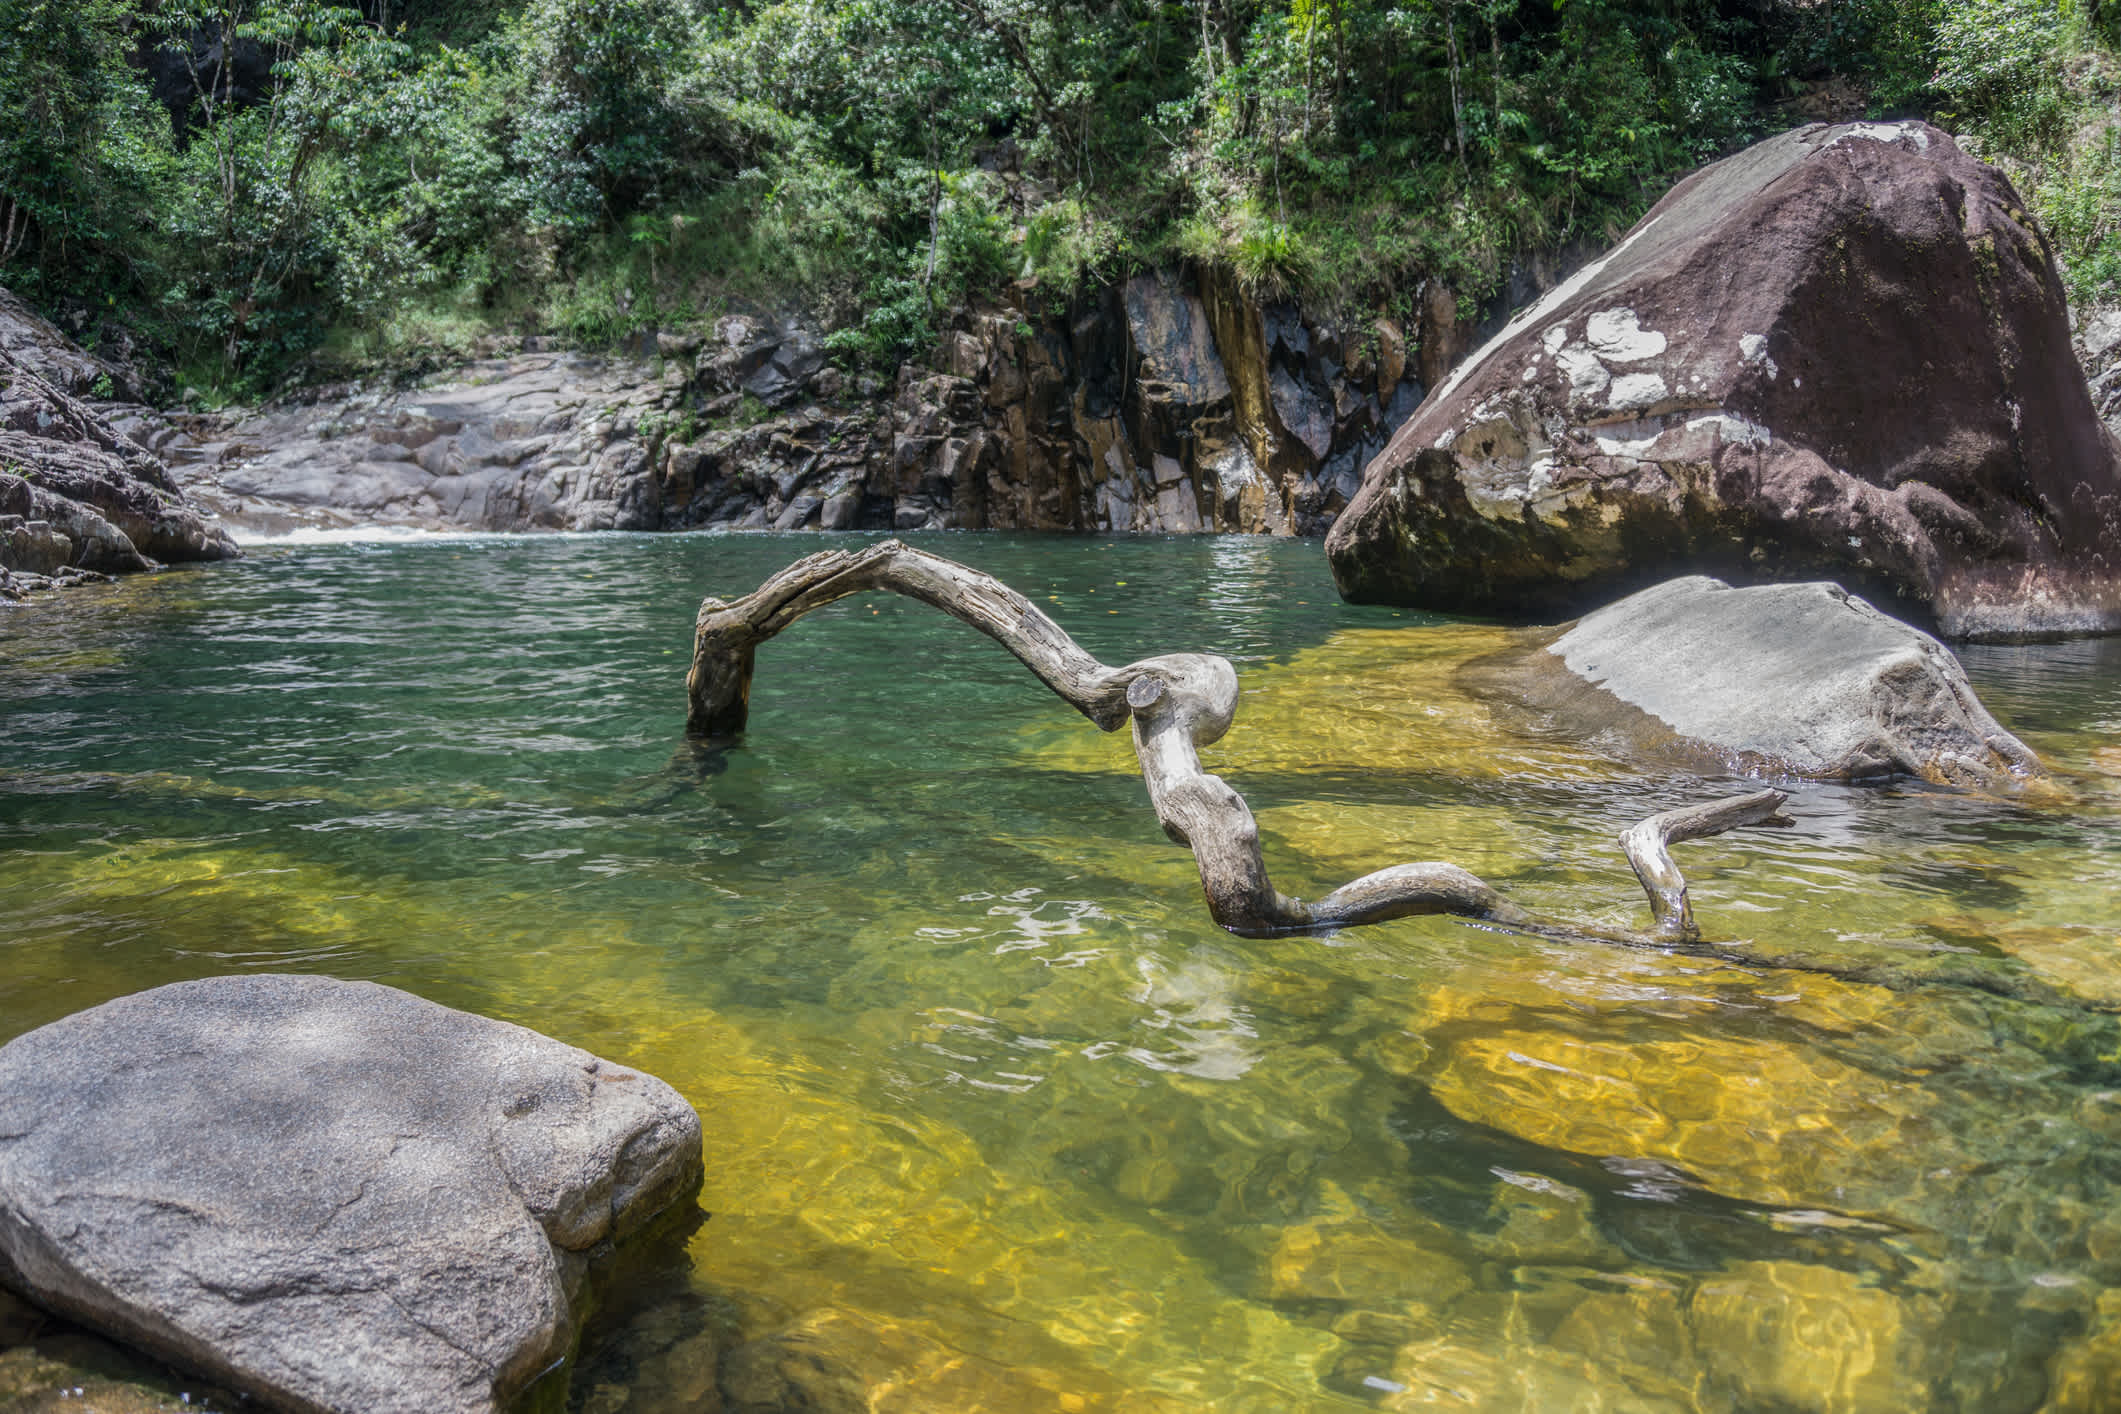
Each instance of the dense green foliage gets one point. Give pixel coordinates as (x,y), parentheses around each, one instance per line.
(366,182)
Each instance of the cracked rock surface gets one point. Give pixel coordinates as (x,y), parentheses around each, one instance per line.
(1843,353)
(329,1195)
(78,499)
(536,442)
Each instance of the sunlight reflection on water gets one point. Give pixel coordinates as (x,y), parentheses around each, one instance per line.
(996,1118)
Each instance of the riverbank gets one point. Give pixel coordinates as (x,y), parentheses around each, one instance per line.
(1168,403)
(1179,401)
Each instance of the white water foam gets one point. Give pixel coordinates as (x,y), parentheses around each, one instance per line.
(399,535)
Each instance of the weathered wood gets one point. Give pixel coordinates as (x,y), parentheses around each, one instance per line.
(1185,701)
(1648,847)
(1177,703)
(727,634)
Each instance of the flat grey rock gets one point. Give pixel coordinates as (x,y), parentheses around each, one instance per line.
(1798,679)
(330,1195)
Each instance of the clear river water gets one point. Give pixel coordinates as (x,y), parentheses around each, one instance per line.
(996,1119)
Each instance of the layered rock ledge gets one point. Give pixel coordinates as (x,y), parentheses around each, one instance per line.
(1785,680)
(333,1196)
(1844,352)
(1166,403)
(77,497)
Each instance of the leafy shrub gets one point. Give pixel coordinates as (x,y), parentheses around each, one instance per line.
(602,167)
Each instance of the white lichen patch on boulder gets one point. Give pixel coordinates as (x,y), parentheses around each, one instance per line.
(1928,438)
(1617,336)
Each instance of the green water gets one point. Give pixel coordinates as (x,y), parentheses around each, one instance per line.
(996,1120)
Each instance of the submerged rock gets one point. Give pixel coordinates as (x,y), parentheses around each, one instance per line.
(835,1361)
(330,1195)
(2086,1373)
(1354,1260)
(1797,1335)
(49,1366)
(1778,680)
(1841,353)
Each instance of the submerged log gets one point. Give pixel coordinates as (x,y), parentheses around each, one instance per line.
(1178,703)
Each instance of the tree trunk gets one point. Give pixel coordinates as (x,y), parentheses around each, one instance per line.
(1458,111)
(1495,72)
(935,210)
(1207,51)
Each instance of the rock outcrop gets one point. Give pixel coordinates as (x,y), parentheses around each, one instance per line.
(1168,403)
(330,1195)
(535,442)
(1843,352)
(1783,680)
(2098,338)
(33,340)
(1164,404)
(76,495)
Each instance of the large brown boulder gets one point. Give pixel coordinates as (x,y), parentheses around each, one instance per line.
(1843,353)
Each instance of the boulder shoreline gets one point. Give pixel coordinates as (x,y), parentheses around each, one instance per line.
(1689,400)
(330,1195)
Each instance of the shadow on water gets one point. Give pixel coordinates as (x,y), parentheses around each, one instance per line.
(1657,1214)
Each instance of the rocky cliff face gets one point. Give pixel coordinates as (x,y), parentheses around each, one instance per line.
(78,499)
(1168,403)
(1164,404)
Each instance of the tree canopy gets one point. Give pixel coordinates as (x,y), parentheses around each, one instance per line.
(256,180)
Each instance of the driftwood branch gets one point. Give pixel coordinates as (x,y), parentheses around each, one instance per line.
(1177,703)
(1648,847)
(728,634)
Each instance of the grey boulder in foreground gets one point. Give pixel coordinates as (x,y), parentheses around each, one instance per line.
(1783,680)
(330,1195)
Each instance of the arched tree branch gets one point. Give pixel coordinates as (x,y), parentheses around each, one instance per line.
(1177,703)
(1648,847)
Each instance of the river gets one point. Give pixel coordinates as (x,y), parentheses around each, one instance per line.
(992,1106)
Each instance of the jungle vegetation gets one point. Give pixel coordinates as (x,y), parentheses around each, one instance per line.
(265,189)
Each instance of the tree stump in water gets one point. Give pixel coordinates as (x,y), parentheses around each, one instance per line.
(1177,702)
